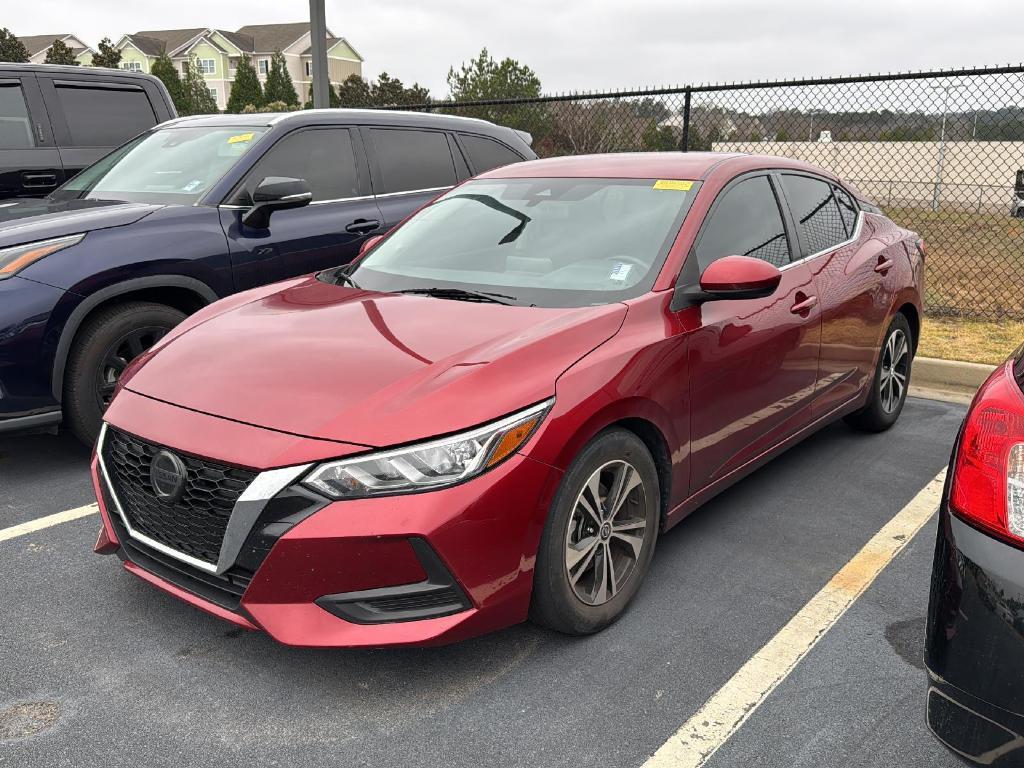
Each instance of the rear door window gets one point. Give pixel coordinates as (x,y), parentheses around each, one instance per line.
(411,160)
(745,221)
(324,157)
(485,153)
(816,212)
(104,116)
(15,125)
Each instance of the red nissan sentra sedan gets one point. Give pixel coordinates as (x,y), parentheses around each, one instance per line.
(494,413)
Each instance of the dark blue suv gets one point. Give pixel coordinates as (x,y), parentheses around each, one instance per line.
(194,210)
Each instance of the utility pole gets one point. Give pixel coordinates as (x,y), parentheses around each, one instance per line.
(318,44)
(937,194)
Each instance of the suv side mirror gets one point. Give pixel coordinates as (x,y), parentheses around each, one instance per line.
(731,277)
(369,242)
(276,193)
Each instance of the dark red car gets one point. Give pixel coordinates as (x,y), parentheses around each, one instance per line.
(495,412)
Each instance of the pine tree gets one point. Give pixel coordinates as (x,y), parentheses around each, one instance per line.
(164,69)
(279,86)
(332,97)
(355,92)
(107,56)
(200,102)
(59,53)
(11,48)
(246,89)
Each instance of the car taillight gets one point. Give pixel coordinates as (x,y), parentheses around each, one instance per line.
(988,474)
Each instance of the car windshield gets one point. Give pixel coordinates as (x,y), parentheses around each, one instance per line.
(545,242)
(173,165)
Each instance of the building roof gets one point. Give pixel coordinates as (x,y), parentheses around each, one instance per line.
(163,40)
(37,43)
(268,38)
(309,48)
(240,41)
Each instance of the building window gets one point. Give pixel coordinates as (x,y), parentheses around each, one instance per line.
(213,93)
(233,63)
(264,66)
(132,66)
(207,66)
(309,69)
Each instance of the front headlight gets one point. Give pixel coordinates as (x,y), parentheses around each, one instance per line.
(16,258)
(428,465)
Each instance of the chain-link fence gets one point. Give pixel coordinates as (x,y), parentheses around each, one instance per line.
(941,152)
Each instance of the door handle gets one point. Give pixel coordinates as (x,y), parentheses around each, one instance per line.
(39,179)
(803,305)
(362,226)
(884,265)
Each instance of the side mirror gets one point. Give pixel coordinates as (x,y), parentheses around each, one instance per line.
(731,277)
(739,277)
(276,193)
(369,242)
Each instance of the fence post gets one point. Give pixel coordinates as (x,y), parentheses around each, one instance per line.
(686,121)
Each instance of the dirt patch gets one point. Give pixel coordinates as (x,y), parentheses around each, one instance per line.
(27,719)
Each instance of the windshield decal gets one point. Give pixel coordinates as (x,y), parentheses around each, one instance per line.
(679,186)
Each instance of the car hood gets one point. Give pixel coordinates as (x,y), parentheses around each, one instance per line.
(24,221)
(376,369)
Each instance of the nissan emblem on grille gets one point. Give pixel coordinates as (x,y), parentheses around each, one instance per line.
(167,476)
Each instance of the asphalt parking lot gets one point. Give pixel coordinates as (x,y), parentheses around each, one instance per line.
(123,675)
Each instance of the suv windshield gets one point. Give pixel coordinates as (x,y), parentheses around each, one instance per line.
(166,166)
(544,242)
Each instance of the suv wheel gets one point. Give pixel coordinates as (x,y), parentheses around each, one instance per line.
(103,348)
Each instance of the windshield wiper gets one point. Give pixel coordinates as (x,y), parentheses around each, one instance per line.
(460,294)
(343,277)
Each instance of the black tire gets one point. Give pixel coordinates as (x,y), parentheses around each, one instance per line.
(556,602)
(883,407)
(86,392)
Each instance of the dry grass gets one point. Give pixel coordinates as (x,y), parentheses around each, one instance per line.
(975,341)
(975,261)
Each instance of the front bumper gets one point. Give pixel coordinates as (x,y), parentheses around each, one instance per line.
(975,644)
(419,569)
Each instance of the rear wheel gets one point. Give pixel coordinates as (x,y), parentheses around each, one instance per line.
(103,348)
(891,381)
(599,538)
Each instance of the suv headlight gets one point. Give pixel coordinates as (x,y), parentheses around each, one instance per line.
(428,465)
(16,258)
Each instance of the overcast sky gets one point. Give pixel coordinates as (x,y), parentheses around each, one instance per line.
(598,44)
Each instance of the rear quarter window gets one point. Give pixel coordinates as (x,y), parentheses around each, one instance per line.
(485,154)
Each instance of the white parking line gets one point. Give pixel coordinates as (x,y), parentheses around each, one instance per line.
(45,522)
(723,714)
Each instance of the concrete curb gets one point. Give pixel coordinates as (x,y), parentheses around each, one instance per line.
(942,379)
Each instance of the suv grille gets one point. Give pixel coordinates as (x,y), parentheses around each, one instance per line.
(195,524)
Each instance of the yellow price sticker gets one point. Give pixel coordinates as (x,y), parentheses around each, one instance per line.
(679,186)
(241,137)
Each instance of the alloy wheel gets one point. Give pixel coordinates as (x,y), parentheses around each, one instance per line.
(892,383)
(119,355)
(607,531)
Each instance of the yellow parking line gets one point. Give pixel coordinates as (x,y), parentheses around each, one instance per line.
(45,522)
(723,714)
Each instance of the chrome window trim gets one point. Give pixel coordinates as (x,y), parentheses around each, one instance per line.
(233,207)
(264,487)
(849,241)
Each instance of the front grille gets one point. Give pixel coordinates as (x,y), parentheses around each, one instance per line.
(194,524)
(447,598)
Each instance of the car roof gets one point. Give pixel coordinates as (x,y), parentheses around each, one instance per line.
(649,165)
(342,117)
(70,69)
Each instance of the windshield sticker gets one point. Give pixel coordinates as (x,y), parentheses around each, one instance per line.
(241,137)
(620,271)
(679,186)
(192,186)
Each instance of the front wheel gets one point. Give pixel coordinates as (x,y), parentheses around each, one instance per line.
(599,537)
(103,348)
(890,382)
